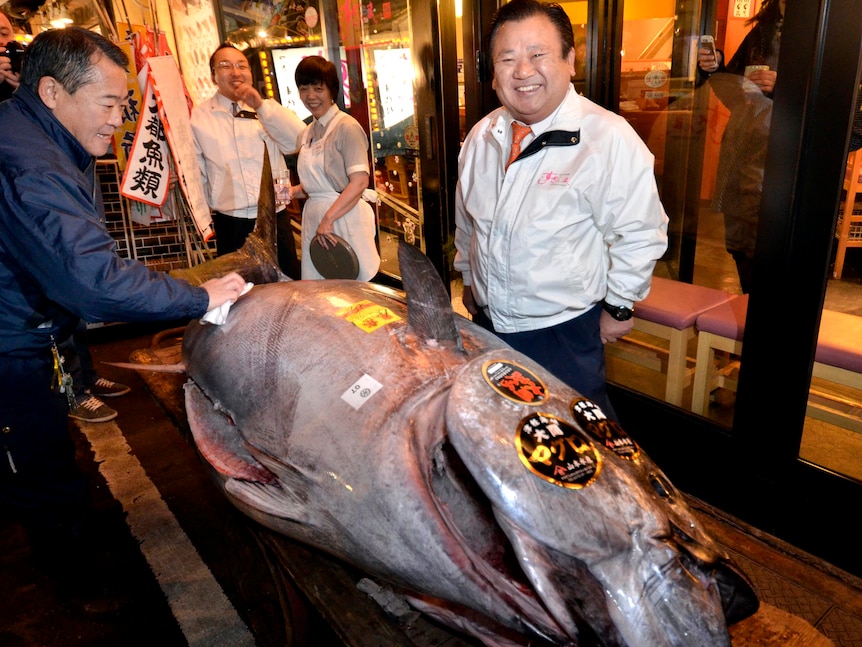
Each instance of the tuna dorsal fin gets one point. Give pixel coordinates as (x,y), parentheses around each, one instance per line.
(429,307)
(257,259)
(265,225)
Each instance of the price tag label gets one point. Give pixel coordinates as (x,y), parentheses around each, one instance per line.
(358,393)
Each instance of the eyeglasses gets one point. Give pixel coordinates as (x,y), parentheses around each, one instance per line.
(226,65)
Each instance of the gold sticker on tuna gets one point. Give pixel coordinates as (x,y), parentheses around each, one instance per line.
(514,382)
(368,315)
(557,452)
(607,432)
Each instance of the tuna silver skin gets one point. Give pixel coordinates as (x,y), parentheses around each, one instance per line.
(403,439)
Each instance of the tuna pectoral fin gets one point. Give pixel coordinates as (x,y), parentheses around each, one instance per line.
(581,610)
(287,500)
(219,441)
(269,499)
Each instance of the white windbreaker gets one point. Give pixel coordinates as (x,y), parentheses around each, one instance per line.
(230,150)
(562,229)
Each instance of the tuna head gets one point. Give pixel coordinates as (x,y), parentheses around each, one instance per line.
(590,520)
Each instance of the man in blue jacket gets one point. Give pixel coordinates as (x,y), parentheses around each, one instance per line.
(59,264)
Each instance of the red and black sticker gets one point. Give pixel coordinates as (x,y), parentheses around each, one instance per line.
(514,382)
(607,432)
(557,452)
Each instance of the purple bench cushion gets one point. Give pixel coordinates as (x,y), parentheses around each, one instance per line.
(727,319)
(677,304)
(840,341)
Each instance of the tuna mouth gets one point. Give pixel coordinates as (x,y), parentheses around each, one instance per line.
(738,598)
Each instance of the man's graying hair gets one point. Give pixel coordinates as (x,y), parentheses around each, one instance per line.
(68,55)
(518,10)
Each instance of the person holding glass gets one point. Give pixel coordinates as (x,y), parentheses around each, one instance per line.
(745,86)
(333,171)
(230,130)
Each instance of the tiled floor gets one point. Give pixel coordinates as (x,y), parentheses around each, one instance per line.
(784,577)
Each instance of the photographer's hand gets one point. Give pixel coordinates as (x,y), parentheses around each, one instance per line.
(6,73)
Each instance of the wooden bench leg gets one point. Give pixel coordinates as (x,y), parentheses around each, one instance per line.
(704,371)
(677,365)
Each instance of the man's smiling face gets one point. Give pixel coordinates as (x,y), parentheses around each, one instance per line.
(531,76)
(231,70)
(95,110)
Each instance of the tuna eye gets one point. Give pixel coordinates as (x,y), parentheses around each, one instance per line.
(661,487)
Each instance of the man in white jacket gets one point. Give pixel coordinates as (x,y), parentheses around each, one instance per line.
(556,246)
(230,130)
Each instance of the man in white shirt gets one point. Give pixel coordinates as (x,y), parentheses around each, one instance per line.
(230,130)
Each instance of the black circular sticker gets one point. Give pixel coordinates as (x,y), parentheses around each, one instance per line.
(557,452)
(607,432)
(514,382)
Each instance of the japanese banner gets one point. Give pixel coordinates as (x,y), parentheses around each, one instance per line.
(174,110)
(125,134)
(141,140)
(148,169)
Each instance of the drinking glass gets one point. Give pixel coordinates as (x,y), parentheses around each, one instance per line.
(281,181)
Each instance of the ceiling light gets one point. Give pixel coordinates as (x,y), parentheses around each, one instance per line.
(61,18)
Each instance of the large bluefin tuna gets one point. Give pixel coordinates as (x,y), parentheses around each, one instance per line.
(408,441)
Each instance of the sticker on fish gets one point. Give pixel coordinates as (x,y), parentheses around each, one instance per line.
(367,315)
(594,421)
(514,382)
(360,391)
(557,452)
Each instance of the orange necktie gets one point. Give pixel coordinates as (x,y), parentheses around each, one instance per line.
(519,131)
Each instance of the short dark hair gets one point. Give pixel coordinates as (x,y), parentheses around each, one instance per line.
(313,70)
(518,10)
(8,17)
(224,45)
(68,56)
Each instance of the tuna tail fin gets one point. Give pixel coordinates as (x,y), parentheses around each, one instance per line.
(257,260)
(429,306)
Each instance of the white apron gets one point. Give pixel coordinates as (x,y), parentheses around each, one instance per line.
(357,226)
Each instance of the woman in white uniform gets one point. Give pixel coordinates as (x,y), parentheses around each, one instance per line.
(333,172)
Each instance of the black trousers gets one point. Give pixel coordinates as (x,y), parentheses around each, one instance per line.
(230,232)
(79,362)
(39,478)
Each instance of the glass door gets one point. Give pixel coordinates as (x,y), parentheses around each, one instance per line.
(386,50)
(386,63)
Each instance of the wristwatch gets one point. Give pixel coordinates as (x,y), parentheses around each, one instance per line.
(620,313)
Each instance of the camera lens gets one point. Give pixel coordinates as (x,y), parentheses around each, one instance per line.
(15,52)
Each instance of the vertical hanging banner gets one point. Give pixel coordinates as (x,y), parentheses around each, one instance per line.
(174,109)
(124,137)
(148,169)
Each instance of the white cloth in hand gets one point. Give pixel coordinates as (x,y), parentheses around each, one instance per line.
(218,315)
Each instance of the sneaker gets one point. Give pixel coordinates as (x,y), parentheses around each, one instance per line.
(89,408)
(105,388)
